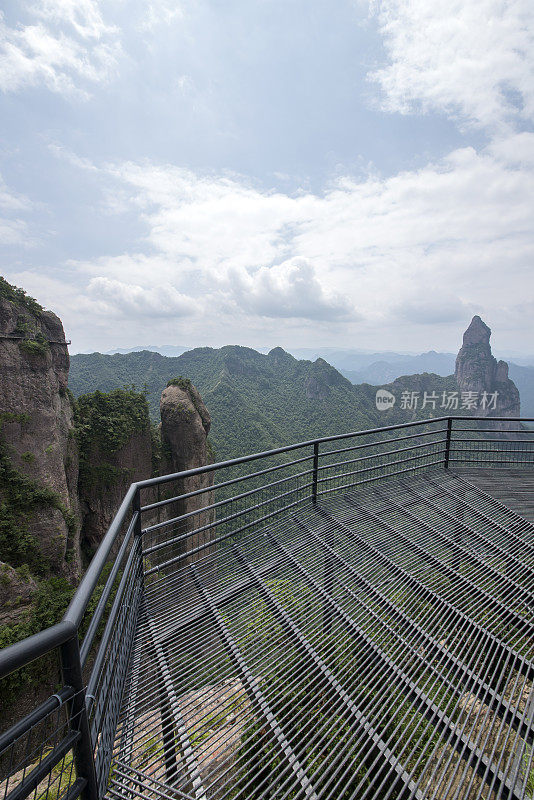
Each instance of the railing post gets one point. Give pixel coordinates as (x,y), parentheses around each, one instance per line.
(448,442)
(83,749)
(136,508)
(315,472)
(138,532)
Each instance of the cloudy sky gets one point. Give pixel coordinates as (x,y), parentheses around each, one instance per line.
(270,172)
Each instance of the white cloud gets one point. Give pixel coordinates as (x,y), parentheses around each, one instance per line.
(156,300)
(517,150)
(223,223)
(290,289)
(13,229)
(161,13)
(82,15)
(12,201)
(458,230)
(472,59)
(215,253)
(65,47)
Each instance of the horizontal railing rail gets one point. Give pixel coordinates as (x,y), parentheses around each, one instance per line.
(146,549)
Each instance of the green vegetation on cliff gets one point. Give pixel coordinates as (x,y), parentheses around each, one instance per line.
(105,422)
(19,297)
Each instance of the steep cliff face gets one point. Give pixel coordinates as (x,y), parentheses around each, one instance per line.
(478,371)
(115,450)
(17,591)
(185,424)
(39,457)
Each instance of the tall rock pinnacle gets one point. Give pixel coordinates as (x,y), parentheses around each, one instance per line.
(185,424)
(478,371)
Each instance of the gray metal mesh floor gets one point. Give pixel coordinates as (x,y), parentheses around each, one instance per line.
(377,645)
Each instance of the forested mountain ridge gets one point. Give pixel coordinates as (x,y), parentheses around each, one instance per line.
(260,401)
(256,401)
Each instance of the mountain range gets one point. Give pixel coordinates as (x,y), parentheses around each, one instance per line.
(381,368)
(258,401)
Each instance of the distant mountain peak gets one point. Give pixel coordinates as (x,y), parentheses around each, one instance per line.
(478,371)
(278,354)
(477,332)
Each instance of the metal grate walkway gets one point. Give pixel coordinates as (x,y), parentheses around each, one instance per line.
(377,644)
(512,487)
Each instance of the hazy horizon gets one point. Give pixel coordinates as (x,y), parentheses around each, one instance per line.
(527,357)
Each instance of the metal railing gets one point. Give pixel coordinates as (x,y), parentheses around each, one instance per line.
(160,561)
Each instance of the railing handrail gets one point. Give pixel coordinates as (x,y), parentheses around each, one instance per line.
(78,604)
(286,449)
(311,442)
(39,644)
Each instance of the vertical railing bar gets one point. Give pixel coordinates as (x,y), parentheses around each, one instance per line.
(127,734)
(122,592)
(99,611)
(83,749)
(448,442)
(315,472)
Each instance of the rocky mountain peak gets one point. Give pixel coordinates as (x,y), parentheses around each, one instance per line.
(477,333)
(279,356)
(185,424)
(478,371)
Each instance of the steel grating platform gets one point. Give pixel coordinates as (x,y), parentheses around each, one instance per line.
(512,487)
(376,644)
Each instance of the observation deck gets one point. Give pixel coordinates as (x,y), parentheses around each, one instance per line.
(350,617)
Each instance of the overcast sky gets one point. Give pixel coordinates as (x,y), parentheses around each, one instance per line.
(270,172)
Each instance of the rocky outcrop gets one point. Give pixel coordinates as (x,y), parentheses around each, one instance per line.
(478,371)
(65,468)
(185,424)
(116,449)
(39,453)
